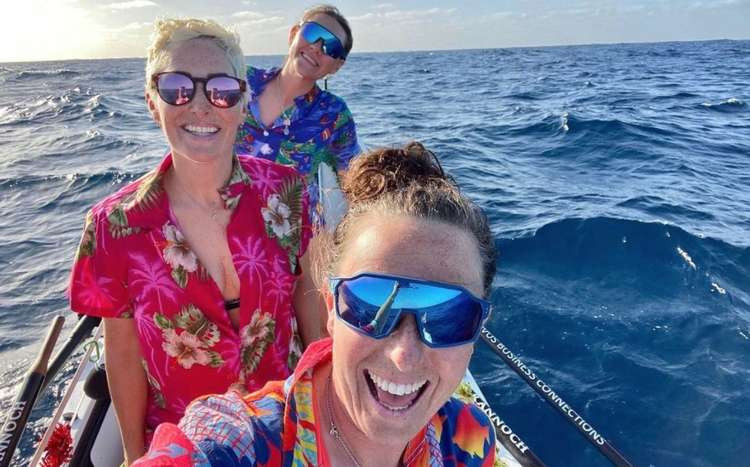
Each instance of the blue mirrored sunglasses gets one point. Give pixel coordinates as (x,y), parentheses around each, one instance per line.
(372,304)
(313,32)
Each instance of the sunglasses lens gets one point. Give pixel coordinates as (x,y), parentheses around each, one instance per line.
(332,46)
(223,91)
(454,321)
(175,88)
(372,305)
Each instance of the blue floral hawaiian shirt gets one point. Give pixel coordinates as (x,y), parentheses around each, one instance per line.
(317,128)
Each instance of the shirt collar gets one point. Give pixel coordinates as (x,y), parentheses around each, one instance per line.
(259,81)
(148,205)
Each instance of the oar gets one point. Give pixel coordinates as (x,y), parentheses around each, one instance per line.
(562,407)
(19,411)
(82,331)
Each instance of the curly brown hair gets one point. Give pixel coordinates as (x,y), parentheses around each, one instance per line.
(409,181)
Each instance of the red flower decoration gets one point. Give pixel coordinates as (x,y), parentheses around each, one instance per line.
(59,447)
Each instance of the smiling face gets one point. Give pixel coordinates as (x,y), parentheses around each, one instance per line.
(197,130)
(308,60)
(394,385)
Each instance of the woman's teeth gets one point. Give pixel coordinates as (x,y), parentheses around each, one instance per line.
(309,59)
(396,389)
(201,130)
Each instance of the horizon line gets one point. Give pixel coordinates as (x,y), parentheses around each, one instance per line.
(413,50)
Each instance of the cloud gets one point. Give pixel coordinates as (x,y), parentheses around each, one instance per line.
(717,4)
(386,17)
(248,15)
(508,15)
(270,20)
(130,5)
(135,26)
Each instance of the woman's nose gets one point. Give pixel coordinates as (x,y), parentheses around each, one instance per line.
(200,101)
(317,46)
(405,347)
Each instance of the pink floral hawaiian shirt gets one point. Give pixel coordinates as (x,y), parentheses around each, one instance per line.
(133,262)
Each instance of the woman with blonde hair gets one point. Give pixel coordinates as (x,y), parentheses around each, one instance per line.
(195,266)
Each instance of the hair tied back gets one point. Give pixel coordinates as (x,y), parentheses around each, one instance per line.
(393,169)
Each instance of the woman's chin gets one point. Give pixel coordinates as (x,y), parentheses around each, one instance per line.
(200,157)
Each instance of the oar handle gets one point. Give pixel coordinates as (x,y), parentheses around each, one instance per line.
(18,413)
(40,364)
(82,330)
(563,408)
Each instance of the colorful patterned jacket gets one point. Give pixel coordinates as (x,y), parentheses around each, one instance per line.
(276,426)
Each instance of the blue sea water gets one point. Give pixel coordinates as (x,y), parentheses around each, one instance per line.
(615,176)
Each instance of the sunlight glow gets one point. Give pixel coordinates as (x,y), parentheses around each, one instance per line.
(48,29)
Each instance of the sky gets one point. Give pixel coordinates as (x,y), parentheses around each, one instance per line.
(35,30)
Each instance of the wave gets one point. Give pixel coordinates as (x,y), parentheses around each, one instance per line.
(610,129)
(661,208)
(76,181)
(675,96)
(72,104)
(729,105)
(655,259)
(58,73)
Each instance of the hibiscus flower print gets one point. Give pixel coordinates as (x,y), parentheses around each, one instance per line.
(189,338)
(185,347)
(276,215)
(283,217)
(256,337)
(178,255)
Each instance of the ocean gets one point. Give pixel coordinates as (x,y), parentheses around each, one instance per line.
(616,178)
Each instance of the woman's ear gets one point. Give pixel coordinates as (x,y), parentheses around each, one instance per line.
(293,32)
(337,66)
(328,298)
(153,110)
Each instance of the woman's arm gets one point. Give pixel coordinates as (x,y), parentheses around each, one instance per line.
(308,303)
(216,430)
(127,383)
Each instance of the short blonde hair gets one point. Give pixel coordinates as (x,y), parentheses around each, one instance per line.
(170,32)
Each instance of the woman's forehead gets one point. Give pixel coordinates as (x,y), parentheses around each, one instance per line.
(199,52)
(412,247)
(330,23)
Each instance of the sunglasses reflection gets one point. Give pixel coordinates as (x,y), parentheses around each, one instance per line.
(378,323)
(182,96)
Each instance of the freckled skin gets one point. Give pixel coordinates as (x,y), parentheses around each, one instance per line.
(405,246)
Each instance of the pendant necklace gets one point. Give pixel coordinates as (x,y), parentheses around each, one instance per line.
(213,212)
(334,431)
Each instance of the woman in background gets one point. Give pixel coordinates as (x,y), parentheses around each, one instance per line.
(291,120)
(405,271)
(195,266)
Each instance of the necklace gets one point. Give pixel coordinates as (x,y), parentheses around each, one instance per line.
(334,431)
(213,211)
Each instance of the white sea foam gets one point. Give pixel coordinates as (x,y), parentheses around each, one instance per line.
(686,257)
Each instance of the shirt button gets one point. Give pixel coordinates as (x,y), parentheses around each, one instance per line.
(265,132)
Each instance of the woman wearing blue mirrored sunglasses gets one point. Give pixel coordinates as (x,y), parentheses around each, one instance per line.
(293,121)
(408,268)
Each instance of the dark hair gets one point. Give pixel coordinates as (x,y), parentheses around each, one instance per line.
(334,13)
(409,181)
